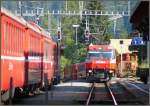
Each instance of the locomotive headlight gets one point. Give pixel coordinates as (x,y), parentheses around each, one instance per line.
(100,62)
(90,71)
(113,61)
(111,71)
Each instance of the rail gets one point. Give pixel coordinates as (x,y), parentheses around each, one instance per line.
(140,100)
(140,89)
(111,93)
(90,94)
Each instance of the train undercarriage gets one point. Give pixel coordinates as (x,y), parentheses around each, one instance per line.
(101,75)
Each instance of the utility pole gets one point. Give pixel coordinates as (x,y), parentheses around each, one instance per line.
(20,7)
(59,48)
(121,45)
(128,7)
(115,21)
(80,8)
(66,6)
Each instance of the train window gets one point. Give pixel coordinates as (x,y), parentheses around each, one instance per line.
(5,32)
(34,46)
(15,39)
(124,57)
(19,40)
(46,51)
(113,55)
(11,33)
(30,43)
(9,38)
(34,49)
(7,43)
(10,42)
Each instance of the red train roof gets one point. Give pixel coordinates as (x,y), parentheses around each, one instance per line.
(99,47)
(22,21)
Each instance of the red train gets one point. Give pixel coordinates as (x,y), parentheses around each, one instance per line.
(101,61)
(27,53)
(74,72)
(100,64)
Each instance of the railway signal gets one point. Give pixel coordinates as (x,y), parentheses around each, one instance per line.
(59,36)
(87,35)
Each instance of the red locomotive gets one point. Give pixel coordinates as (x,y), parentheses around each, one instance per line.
(101,61)
(27,53)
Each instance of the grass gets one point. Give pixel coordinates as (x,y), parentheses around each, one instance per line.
(144,65)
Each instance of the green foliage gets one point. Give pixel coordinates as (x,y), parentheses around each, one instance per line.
(64,62)
(77,53)
(71,51)
(144,64)
(82,54)
(99,24)
(123,35)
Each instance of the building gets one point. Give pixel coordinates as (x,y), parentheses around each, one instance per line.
(116,44)
(140,22)
(140,19)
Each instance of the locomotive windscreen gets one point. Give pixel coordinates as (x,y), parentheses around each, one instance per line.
(109,54)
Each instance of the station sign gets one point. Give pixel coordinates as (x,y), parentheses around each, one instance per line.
(137,41)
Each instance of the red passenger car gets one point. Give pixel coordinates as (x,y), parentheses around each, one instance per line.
(75,71)
(101,61)
(27,52)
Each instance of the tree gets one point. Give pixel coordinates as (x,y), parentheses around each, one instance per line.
(98,23)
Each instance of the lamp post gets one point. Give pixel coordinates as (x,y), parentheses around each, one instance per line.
(76,26)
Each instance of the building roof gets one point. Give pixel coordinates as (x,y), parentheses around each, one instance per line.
(140,10)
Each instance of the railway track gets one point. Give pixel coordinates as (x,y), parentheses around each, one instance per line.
(110,93)
(90,94)
(119,93)
(93,91)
